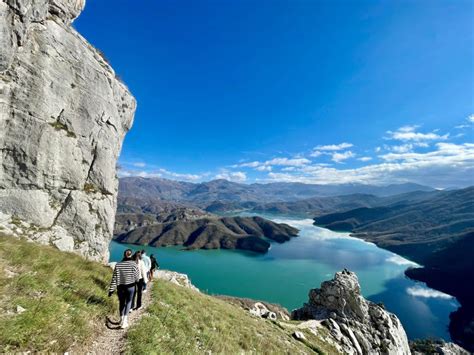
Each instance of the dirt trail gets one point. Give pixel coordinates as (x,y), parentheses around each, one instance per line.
(113,339)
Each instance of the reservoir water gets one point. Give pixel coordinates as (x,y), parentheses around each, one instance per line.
(288,271)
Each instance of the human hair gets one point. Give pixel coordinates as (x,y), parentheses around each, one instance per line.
(137,256)
(143,251)
(127,254)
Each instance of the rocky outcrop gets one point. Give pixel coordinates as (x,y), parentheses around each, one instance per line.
(175,278)
(358,325)
(63,117)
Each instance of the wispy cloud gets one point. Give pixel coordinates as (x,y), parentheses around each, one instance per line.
(447,165)
(139,164)
(266,165)
(364,159)
(333,147)
(419,291)
(335,151)
(340,157)
(409,133)
(470,118)
(237,176)
(160,173)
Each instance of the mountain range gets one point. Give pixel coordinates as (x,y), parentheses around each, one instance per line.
(227,195)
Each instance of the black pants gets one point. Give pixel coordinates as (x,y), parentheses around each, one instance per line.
(137,296)
(125,294)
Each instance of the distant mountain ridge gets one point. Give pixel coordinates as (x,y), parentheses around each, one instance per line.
(206,194)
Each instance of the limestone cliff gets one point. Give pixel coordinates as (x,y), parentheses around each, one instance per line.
(358,326)
(63,117)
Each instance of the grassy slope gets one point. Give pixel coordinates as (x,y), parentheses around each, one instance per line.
(65,297)
(66,302)
(182,321)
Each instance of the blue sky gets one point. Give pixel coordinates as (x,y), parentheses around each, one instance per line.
(311,91)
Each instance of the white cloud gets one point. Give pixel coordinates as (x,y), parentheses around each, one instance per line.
(237,176)
(461,126)
(447,165)
(365,159)
(264,168)
(161,173)
(288,162)
(333,147)
(408,133)
(139,164)
(179,176)
(419,291)
(339,157)
(470,118)
(266,165)
(408,147)
(316,153)
(333,150)
(398,260)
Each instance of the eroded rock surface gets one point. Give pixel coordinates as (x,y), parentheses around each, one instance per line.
(358,325)
(175,278)
(63,117)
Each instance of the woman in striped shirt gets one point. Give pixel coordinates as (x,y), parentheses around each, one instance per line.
(126,275)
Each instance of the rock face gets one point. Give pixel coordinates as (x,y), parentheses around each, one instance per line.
(63,117)
(358,325)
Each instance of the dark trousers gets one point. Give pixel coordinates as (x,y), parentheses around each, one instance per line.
(137,296)
(125,294)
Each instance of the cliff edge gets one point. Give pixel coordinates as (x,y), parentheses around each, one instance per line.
(63,117)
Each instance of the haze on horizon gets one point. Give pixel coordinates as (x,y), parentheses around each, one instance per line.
(322,92)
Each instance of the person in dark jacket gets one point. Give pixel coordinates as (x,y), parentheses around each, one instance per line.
(154,265)
(125,277)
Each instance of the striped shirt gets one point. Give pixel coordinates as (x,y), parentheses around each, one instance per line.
(125,273)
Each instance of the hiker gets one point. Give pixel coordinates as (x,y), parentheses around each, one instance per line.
(126,275)
(147,263)
(154,266)
(137,297)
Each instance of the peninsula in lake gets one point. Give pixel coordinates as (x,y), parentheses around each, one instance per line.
(245,233)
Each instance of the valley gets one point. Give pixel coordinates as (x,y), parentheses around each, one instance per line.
(431,227)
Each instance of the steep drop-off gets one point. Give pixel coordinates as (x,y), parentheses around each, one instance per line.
(63,117)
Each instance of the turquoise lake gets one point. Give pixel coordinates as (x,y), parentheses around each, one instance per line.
(288,271)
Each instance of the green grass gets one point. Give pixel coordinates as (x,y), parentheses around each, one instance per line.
(65,297)
(181,321)
(65,301)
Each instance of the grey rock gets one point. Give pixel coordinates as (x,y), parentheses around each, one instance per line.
(358,325)
(299,335)
(63,117)
(175,278)
(259,310)
(451,349)
(272,316)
